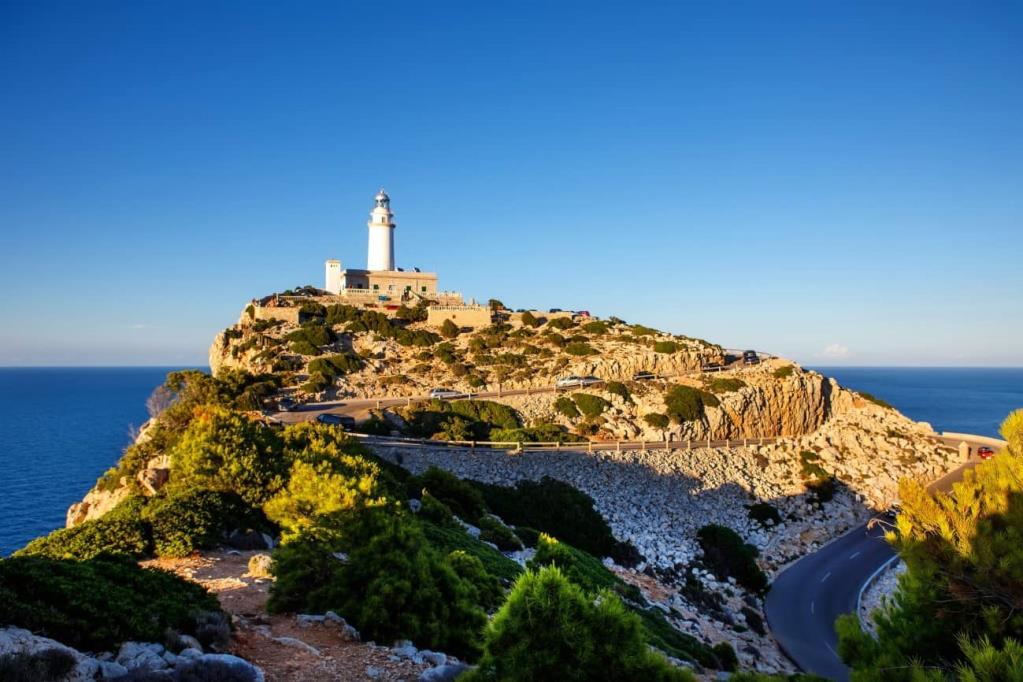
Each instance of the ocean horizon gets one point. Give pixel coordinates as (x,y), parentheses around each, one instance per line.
(62,427)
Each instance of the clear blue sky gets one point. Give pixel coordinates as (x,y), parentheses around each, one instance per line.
(841,183)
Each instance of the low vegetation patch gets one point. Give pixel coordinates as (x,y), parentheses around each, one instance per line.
(530,637)
(619,389)
(782,372)
(580,348)
(591,406)
(727,555)
(877,401)
(685,403)
(665,347)
(656,420)
(560,510)
(98,603)
(816,478)
(762,512)
(459,419)
(725,385)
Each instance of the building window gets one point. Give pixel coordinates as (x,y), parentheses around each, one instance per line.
(376,287)
(424,289)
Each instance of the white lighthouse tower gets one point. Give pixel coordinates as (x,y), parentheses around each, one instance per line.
(381,235)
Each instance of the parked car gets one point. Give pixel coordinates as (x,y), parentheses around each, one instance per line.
(336,420)
(643,376)
(554,310)
(750,357)
(444,393)
(286,404)
(583,313)
(984,452)
(574,381)
(711,367)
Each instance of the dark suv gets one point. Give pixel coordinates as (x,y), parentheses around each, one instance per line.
(750,357)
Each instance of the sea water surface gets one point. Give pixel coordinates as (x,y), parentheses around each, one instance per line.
(61,428)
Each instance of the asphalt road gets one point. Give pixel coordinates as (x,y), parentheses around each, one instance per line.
(809,595)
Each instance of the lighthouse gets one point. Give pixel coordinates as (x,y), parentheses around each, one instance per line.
(381,234)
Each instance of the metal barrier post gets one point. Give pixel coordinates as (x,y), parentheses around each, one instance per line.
(589,446)
(378,404)
(689,444)
(666,443)
(618,446)
(708,441)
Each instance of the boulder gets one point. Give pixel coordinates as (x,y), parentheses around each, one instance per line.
(19,641)
(444,673)
(255,672)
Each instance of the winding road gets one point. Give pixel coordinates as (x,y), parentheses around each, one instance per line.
(807,597)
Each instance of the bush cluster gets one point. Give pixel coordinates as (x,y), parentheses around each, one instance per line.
(727,555)
(540,433)
(558,509)
(783,372)
(550,629)
(591,406)
(762,512)
(656,420)
(580,348)
(685,403)
(619,389)
(459,419)
(560,323)
(97,603)
(665,347)
(566,406)
(725,385)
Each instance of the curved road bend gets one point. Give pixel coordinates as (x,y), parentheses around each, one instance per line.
(807,597)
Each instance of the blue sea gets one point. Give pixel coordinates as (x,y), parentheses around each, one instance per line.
(61,428)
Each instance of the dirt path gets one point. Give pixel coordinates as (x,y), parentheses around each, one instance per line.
(286,651)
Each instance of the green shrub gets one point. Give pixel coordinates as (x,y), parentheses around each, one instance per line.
(555,508)
(187,520)
(495,532)
(98,603)
(641,330)
(580,348)
(762,512)
(485,588)
(727,555)
(560,323)
(877,401)
(119,532)
(319,489)
(446,539)
(665,346)
(461,497)
(782,372)
(591,406)
(317,382)
(619,389)
(564,405)
(398,587)
(449,329)
(312,309)
(725,385)
(541,433)
(726,655)
(336,365)
(595,327)
(226,451)
(581,568)
(529,536)
(435,511)
(548,629)
(459,419)
(685,403)
(530,320)
(46,665)
(821,484)
(656,420)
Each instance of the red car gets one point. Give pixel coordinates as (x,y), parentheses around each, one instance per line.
(985,452)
